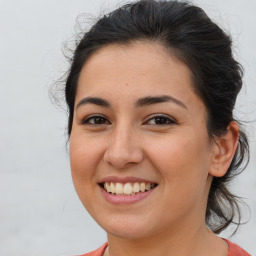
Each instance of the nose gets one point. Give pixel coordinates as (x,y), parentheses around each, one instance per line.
(124,148)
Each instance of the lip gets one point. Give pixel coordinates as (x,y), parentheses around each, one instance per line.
(125,180)
(125,200)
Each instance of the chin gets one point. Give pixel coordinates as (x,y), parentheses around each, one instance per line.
(128,228)
(128,233)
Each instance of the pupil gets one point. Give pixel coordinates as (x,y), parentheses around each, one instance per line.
(99,120)
(160,120)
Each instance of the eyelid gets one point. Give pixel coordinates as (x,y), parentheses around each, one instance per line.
(171,119)
(87,118)
(150,117)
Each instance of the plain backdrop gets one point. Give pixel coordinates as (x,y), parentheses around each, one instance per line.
(40,213)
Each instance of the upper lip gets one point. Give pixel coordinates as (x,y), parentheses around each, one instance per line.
(116,179)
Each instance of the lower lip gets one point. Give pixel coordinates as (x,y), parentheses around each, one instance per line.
(115,199)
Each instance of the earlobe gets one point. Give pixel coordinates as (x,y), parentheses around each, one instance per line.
(224,149)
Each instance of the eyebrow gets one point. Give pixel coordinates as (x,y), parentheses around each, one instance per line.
(149,100)
(145,101)
(93,100)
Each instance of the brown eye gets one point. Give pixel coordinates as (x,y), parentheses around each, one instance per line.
(161,120)
(95,120)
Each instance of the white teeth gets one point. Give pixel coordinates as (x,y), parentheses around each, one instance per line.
(119,189)
(142,187)
(148,186)
(127,188)
(107,186)
(136,187)
(112,187)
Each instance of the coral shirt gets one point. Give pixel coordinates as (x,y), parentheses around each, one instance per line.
(98,252)
(233,250)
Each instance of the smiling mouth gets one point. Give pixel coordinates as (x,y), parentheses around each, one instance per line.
(127,189)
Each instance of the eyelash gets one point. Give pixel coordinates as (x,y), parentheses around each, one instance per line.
(162,117)
(169,120)
(93,117)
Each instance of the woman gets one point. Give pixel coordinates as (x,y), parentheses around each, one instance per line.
(153,141)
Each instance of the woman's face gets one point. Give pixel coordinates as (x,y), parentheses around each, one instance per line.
(138,125)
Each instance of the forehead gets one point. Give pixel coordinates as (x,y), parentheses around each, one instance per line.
(145,68)
(138,56)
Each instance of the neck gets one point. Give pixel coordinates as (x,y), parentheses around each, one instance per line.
(198,242)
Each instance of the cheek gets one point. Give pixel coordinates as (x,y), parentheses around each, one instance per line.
(84,158)
(183,161)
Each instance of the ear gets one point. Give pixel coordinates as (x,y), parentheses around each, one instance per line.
(224,148)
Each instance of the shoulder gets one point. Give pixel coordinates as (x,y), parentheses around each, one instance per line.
(235,250)
(98,252)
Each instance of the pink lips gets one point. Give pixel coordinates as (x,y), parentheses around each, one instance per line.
(118,199)
(115,199)
(124,180)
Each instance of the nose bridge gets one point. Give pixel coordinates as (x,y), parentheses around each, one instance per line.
(123,147)
(122,136)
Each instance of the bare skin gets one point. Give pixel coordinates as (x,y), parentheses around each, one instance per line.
(207,245)
(116,134)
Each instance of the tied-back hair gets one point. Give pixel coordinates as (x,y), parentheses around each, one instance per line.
(188,34)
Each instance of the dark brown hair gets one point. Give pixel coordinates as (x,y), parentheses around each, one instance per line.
(188,33)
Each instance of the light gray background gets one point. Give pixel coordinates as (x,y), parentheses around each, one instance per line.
(40,213)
